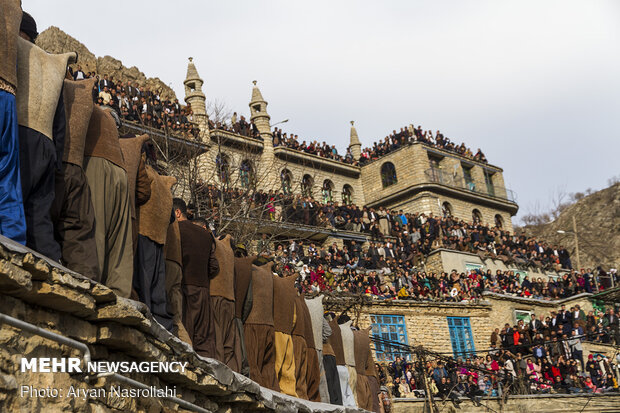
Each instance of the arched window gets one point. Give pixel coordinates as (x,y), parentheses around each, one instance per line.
(306,185)
(328,189)
(285,179)
(476,216)
(388,174)
(446,209)
(222,162)
(347,194)
(499,221)
(246,174)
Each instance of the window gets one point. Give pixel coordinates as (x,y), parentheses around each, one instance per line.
(519,273)
(388,174)
(347,195)
(435,171)
(222,162)
(446,209)
(306,185)
(499,221)
(476,216)
(461,337)
(472,267)
(488,180)
(328,189)
(524,315)
(286,179)
(389,328)
(469,181)
(246,174)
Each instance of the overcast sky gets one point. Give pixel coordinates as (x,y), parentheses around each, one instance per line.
(534,84)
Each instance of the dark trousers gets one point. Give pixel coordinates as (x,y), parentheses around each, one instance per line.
(578,355)
(198,320)
(149,279)
(74,221)
(37,161)
(333,381)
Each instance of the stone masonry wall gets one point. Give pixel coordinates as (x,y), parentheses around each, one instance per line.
(552,403)
(427,323)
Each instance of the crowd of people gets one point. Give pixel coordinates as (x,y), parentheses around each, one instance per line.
(535,356)
(238,125)
(397,239)
(140,104)
(408,135)
(323,149)
(391,264)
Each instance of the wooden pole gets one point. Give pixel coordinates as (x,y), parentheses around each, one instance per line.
(576,244)
(427,388)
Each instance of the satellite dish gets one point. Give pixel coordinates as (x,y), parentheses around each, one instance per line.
(454,292)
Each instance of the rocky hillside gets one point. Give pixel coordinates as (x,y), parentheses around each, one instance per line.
(54,40)
(598,225)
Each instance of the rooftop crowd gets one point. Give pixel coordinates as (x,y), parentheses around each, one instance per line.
(238,125)
(323,149)
(408,135)
(140,104)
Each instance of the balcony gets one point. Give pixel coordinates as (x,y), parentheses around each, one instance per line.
(317,162)
(482,188)
(235,140)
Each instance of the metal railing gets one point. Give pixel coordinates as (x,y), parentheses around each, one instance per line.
(457,181)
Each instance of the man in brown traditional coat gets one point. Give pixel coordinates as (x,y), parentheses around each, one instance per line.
(259,329)
(149,278)
(107,178)
(243,307)
(199,267)
(72,211)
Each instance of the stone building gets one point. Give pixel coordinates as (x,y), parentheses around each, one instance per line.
(414,178)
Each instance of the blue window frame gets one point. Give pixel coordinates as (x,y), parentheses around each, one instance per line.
(461,336)
(389,328)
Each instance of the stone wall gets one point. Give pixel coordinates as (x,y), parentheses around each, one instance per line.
(34,290)
(427,323)
(520,404)
(504,306)
(447,260)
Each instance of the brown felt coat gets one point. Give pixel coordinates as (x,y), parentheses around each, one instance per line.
(10,19)
(172,247)
(243,282)
(102,138)
(336,342)
(199,262)
(284,294)
(362,350)
(223,284)
(134,162)
(262,294)
(78,110)
(40,78)
(154,215)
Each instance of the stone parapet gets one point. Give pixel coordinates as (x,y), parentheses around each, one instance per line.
(560,403)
